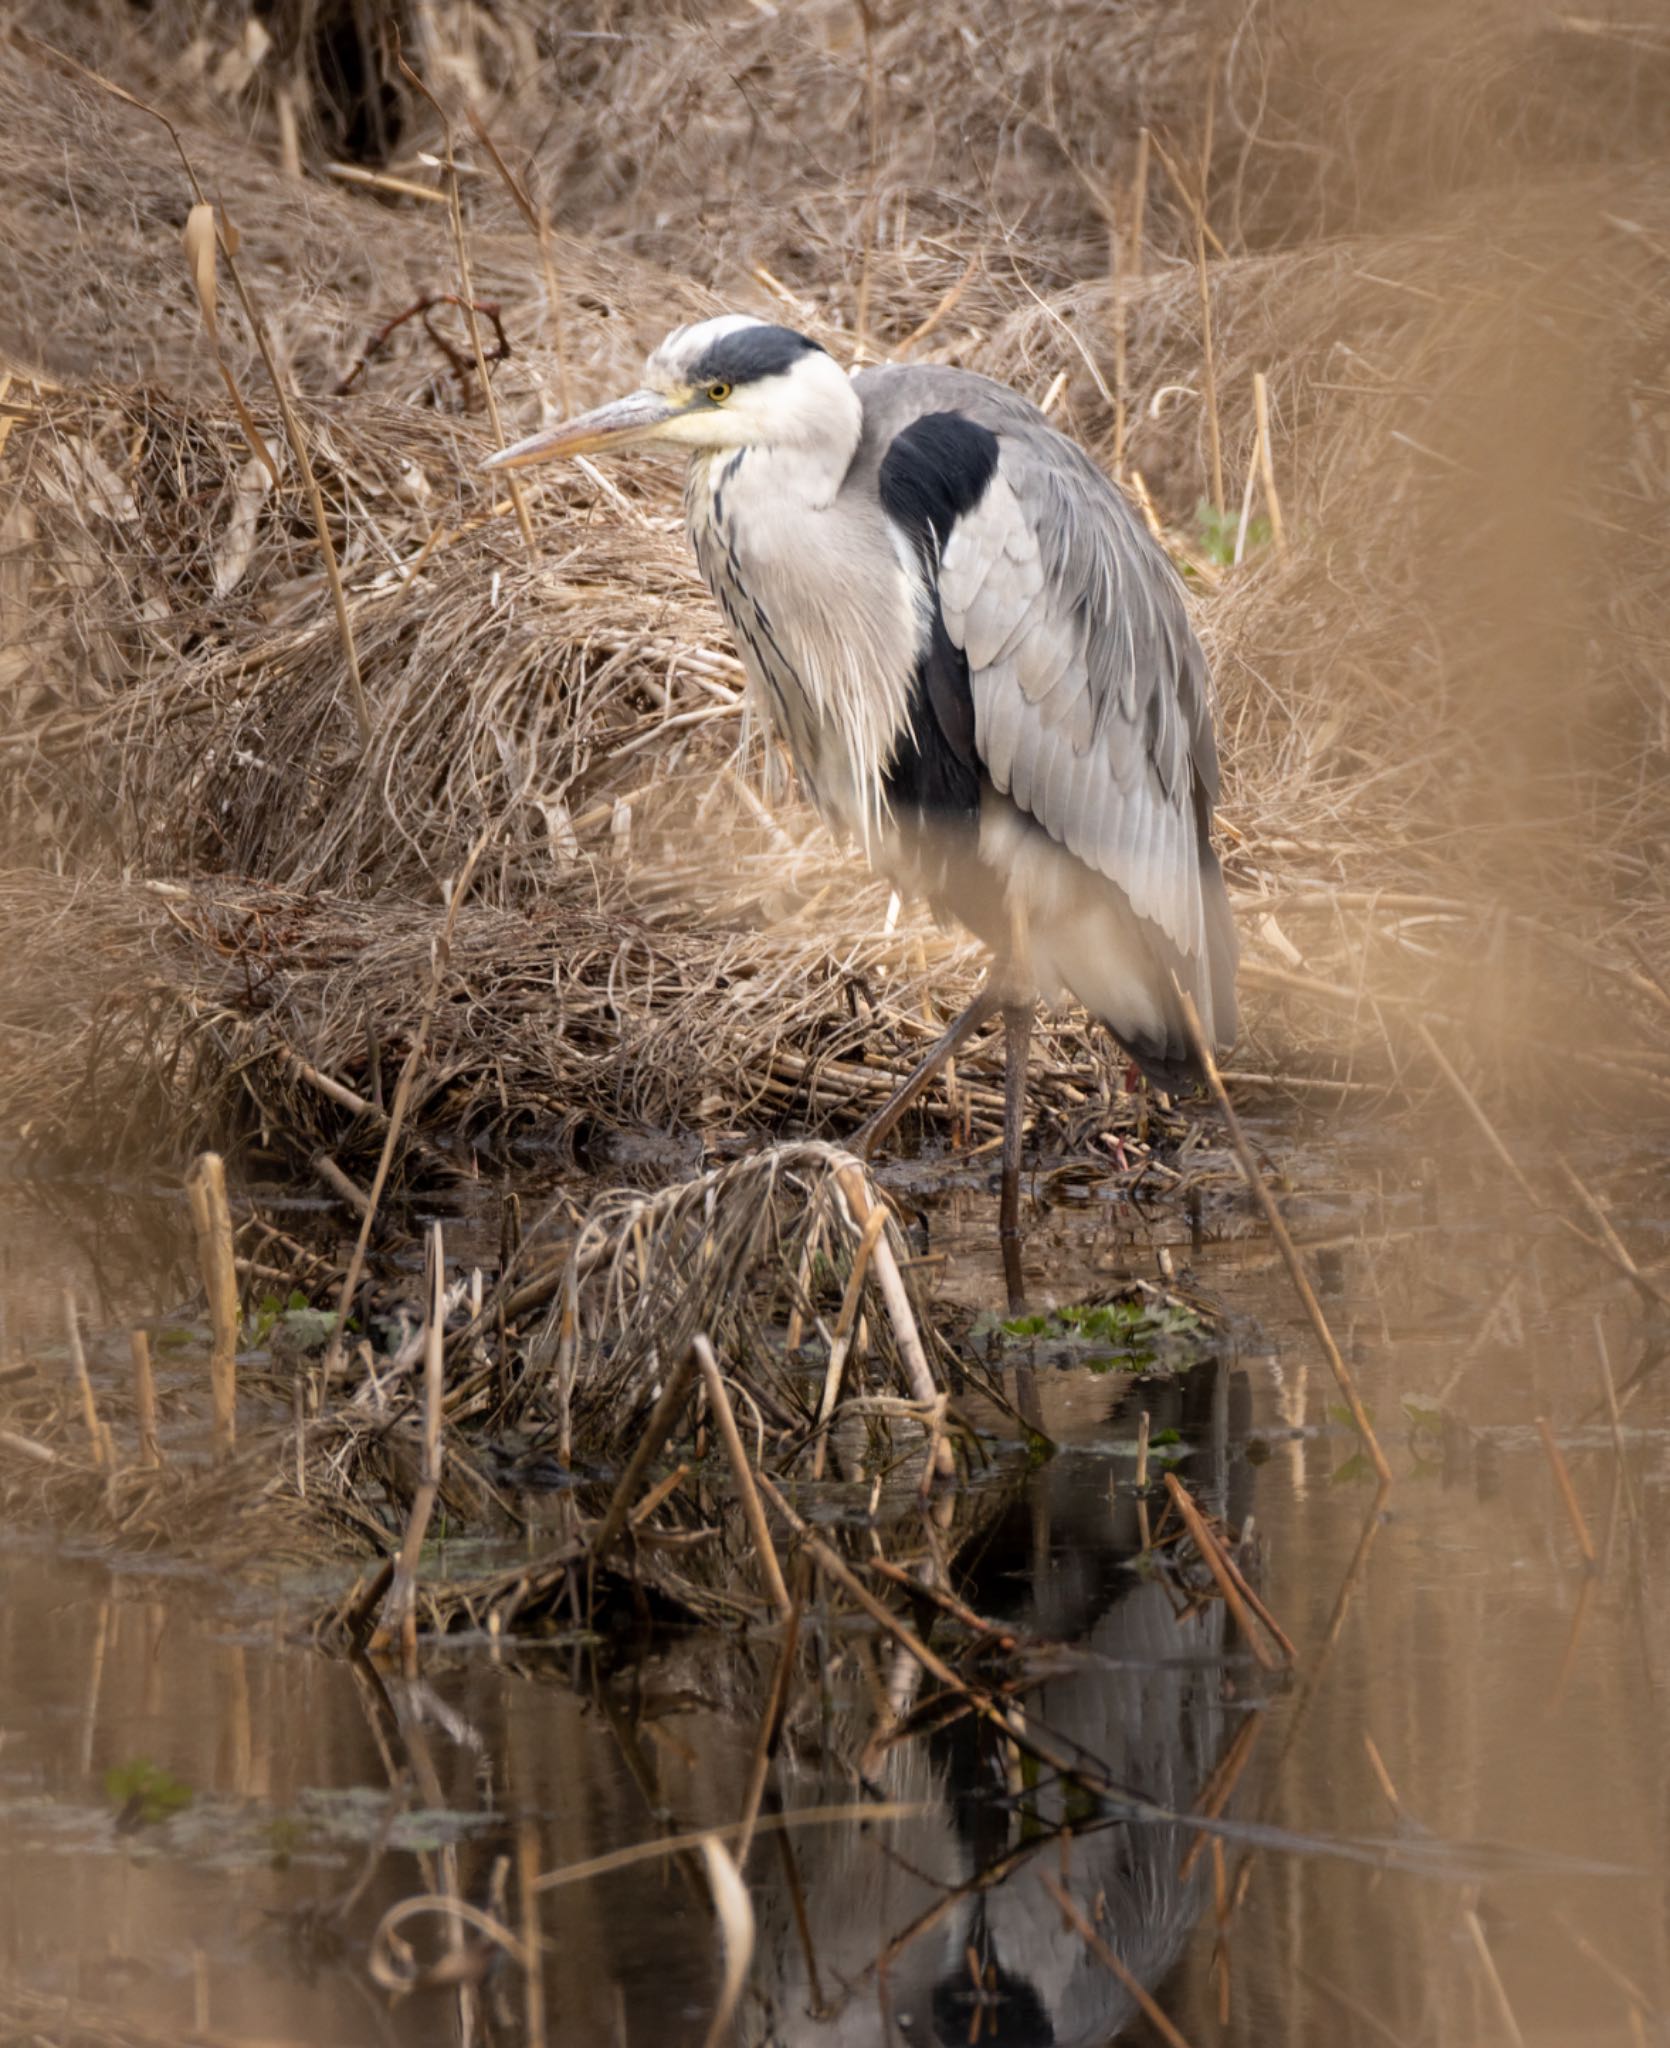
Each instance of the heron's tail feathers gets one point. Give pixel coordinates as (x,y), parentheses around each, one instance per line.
(1126,972)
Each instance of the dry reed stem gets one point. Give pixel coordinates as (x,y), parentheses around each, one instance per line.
(1215,1794)
(533,1945)
(1574,1637)
(1498,1990)
(1614,1417)
(735,1914)
(1474,1109)
(399,1622)
(948,1603)
(1255,1601)
(742,1472)
(1212,1556)
(1266,462)
(83,1384)
(1568,1494)
(26,1447)
(1383,1777)
(1132,1984)
(211,1217)
(846,1324)
(770,1733)
(1613,1242)
(912,1357)
(1284,1242)
(144,1398)
(644,1453)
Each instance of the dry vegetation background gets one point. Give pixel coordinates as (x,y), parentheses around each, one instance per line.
(1441,235)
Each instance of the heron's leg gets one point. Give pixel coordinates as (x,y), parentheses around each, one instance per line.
(985,1005)
(1017,1025)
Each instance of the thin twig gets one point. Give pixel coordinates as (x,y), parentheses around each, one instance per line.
(399,1612)
(743,1473)
(1568,1493)
(1212,1557)
(1133,1984)
(83,1384)
(467,291)
(1284,1242)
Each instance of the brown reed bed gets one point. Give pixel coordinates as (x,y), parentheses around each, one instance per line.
(392,856)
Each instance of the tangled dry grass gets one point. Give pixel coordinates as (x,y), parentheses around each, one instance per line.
(1444,248)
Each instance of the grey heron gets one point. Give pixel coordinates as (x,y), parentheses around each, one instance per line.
(983,667)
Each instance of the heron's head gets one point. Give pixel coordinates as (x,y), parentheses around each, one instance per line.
(733,382)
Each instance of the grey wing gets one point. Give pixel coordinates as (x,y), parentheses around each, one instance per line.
(1091,701)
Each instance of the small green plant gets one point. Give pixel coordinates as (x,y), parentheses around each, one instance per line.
(144,1794)
(267,1312)
(1137,1334)
(1217,531)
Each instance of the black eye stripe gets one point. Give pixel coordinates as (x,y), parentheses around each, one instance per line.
(750,353)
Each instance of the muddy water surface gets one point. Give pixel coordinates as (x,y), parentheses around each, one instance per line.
(203,1823)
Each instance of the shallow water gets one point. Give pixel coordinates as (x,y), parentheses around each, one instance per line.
(1518,1709)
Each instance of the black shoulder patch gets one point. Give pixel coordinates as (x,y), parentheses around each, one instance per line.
(751,353)
(937,469)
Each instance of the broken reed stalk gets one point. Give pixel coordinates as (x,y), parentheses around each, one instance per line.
(897,1297)
(400,1609)
(144,1398)
(1132,1984)
(1568,1494)
(211,1218)
(1266,462)
(26,1447)
(1143,1428)
(1620,1252)
(1212,1556)
(1213,1796)
(1283,1240)
(83,1385)
(742,1472)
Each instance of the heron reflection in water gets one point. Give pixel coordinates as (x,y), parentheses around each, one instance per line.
(1140,1690)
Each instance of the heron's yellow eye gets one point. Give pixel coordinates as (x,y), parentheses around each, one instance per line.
(718,391)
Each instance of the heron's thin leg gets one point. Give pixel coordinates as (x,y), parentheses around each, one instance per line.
(985,1005)
(1017,1025)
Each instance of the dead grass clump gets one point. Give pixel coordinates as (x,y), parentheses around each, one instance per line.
(141,1018)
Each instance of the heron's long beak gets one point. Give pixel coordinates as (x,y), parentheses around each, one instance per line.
(624,420)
